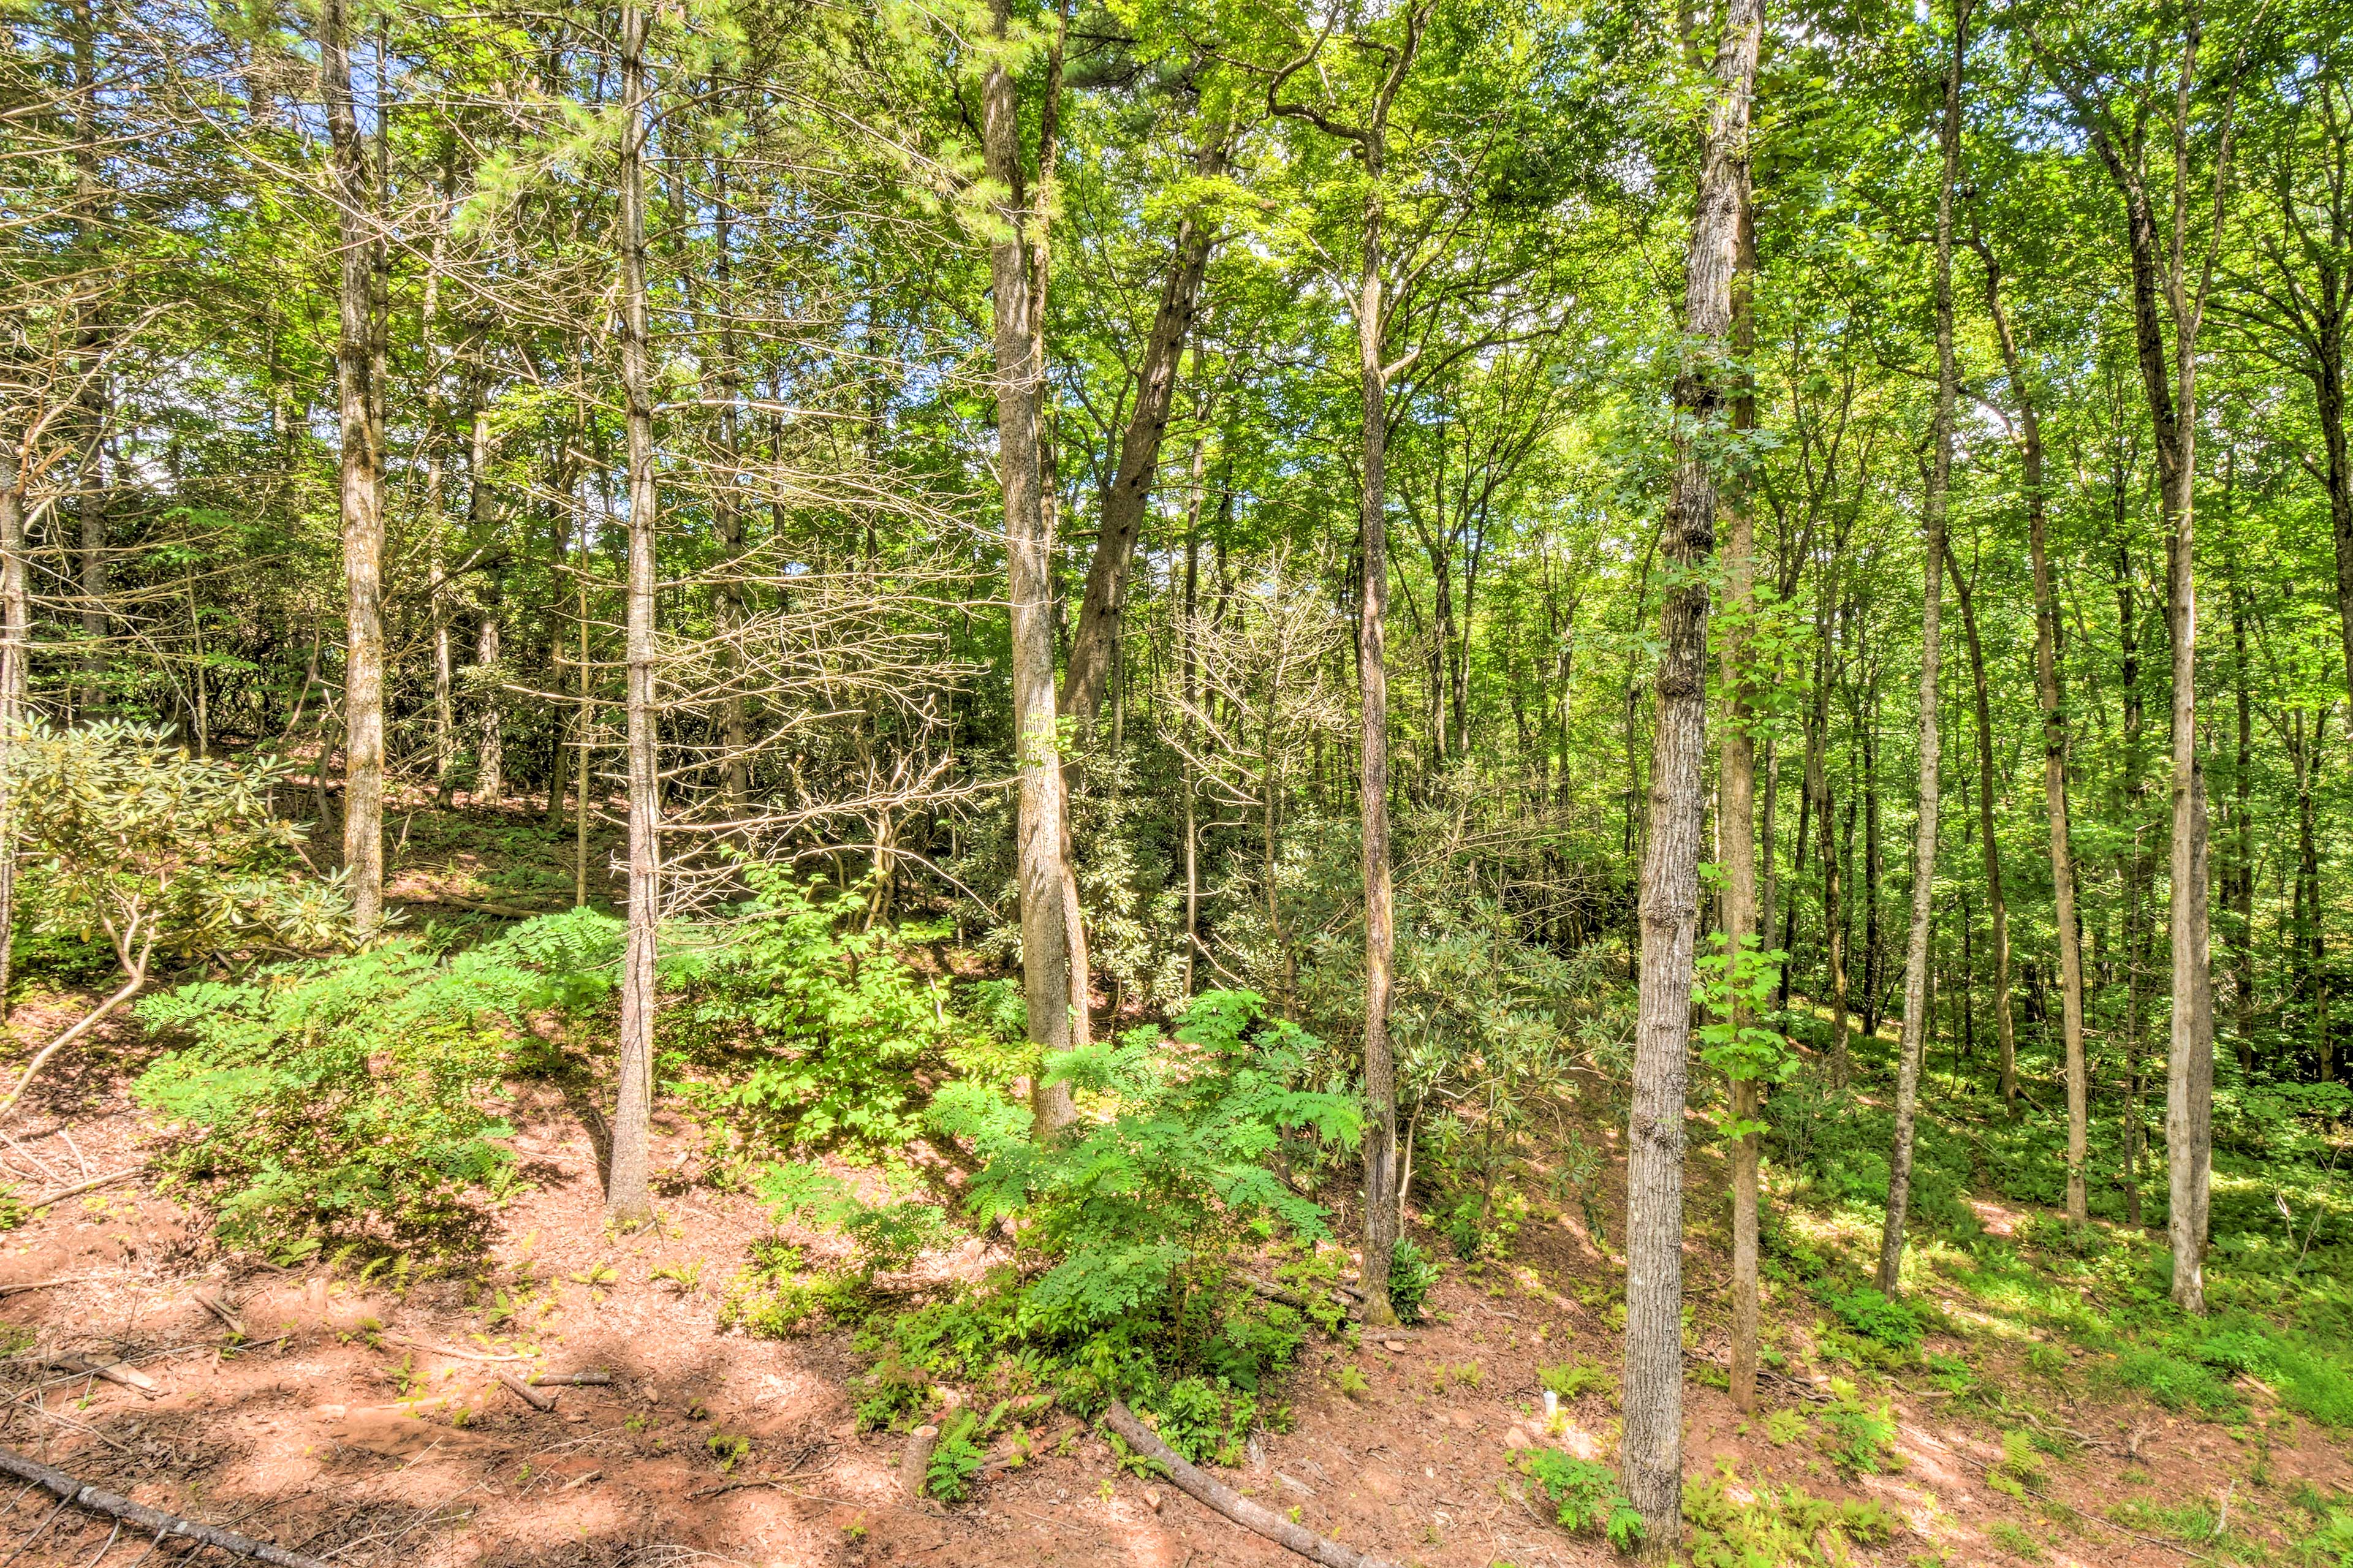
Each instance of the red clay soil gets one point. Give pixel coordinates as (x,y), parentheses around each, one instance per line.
(366,1425)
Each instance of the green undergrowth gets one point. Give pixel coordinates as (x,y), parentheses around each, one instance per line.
(2083,1309)
(1776,1526)
(1131,1234)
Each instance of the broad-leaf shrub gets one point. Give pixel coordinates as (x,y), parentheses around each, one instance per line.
(806,1031)
(129,838)
(1176,1176)
(1130,1226)
(1585,1494)
(350,1099)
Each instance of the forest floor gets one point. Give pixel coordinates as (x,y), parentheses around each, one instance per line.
(362,1419)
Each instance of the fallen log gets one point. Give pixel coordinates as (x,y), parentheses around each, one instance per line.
(570,1380)
(543,1403)
(68,1490)
(1202,1487)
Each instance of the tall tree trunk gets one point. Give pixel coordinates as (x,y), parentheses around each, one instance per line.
(1875,859)
(628,1201)
(490,723)
(362,467)
(727,508)
(15,654)
(1736,807)
(2242,891)
(1046,968)
(1997,904)
(1373,775)
(1923,846)
(1125,502)
(2055,755)
(1651,1451)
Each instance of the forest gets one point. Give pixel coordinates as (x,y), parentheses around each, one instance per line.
(1457,783)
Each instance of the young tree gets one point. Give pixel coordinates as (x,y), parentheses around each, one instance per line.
(1369,141)
(2054,749)
(2162,266)
(628,1202)
(1932,550)
(1652,1448)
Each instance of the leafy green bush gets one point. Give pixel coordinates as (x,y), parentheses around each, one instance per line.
(1893,1323)
(1135,1220)
(1576,1375)
(1177,1179)
(347,1100)
(1586,1494)
(1412,1275)
(814,1032)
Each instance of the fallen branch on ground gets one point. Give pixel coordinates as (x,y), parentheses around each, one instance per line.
(445,1350)
(45,1199)
(543,1403)
(570,1380)
(49,1284)
(1216,1494)
(69,1490)
(113,1371)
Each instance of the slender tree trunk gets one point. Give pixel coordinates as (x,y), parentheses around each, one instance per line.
(1736,808)
(15,655)
(1924,848)
(628,1200)
(2243,900)
(1651,1451)
(1373,780)
(727,512)
(1874,861)
(2055,756)
(490,734)
(1046,968)
(1997,904)
(361,466)
(1187,660)
(1124,503)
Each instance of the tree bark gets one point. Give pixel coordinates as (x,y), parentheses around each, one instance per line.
(628,1201)
(1924,845)
(2055,756)
(1736,806)
(1998,903)
(1046,968)
(1651,1451)
(361,477)
(15,653)
(1124,503)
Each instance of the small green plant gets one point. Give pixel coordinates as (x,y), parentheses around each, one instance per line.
(1577,1376)
(1858,1438)
(1784,1426)
(685,1278)
(1586,1495)
(728,1449)
(2014,1540)
(1738,1526)
(1893,1323)
(1352,1382)
(1412,1275)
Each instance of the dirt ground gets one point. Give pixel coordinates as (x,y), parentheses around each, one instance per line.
(367,1425)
